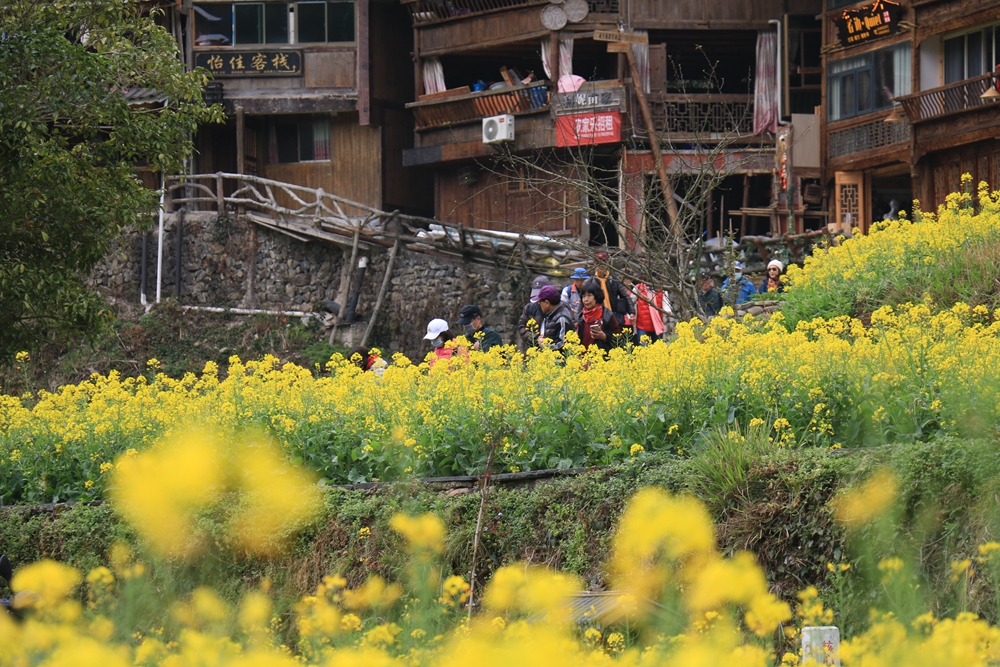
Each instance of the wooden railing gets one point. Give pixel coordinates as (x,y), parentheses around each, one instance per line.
(946,100)
(443,112)
(702,117)
(312,213)
(432,11)
(876,134)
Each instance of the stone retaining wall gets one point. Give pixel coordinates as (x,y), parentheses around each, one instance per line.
(292,275)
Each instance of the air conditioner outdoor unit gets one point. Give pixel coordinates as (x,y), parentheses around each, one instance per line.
(498,129)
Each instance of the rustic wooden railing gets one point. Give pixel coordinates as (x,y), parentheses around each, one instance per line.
(946,100)
(432,11)
(704,117)
(442,112)
(311,213)
(860,138)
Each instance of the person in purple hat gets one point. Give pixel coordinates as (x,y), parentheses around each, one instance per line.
(557,319)
(572,295)
(531,313)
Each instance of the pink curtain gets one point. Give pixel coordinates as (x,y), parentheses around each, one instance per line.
(765,94)
(565,56)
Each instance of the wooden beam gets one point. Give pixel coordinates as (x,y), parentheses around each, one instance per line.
(364,63)
(654,141)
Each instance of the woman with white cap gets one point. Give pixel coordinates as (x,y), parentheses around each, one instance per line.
(772,283)
(438,334)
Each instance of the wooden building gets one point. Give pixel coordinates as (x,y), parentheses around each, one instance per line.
(313,91)
(549,66)
(905,113)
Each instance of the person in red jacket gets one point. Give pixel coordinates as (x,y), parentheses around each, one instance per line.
(650,307)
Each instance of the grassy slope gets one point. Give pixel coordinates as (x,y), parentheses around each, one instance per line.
(182,340)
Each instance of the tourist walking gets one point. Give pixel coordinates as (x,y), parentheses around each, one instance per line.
(598,325)
(616,296)
(571,296)
(484,338)
(557,319)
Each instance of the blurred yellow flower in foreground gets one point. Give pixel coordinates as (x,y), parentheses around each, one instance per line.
(45,584)
(423,533)
(161,490)
(862,504)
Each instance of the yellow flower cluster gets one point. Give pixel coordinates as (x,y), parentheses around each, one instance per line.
(911,373)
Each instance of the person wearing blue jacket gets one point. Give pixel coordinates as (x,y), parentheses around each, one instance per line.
(738,288)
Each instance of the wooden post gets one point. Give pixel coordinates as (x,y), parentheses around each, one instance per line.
(554,56)
(654,143)
(240,139)
(364,63)
(382,290)
(354,258)
(418,66)
(709,217)
(746,203)
(220,194)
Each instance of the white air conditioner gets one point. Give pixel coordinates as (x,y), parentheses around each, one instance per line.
(498,129)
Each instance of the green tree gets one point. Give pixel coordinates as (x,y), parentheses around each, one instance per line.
(70,143)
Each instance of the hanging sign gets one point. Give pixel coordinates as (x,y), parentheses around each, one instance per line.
(620,37)
(868,22)
(251,63)
(587,129)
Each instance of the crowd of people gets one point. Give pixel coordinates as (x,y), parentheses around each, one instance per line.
(600,310)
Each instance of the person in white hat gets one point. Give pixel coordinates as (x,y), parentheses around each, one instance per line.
(438,334)
(772,283)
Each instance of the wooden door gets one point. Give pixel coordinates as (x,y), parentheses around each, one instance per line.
(849,191)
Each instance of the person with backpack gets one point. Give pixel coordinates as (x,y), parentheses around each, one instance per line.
(616,295)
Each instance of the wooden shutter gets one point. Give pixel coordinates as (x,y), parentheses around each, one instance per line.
(849,190)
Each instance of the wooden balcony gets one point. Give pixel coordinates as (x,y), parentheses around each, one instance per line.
(473,107)
(946,100)
(424,12)
(701,117)
(866,137)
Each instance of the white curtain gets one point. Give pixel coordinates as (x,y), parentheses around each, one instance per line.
(433,76)
(641,54)
(565,55)
(901,70)
(765,94)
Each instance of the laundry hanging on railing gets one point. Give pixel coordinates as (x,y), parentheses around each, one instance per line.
(565,56)
(433,76)
(765,94)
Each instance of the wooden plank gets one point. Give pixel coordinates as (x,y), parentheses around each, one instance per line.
(451,92)
(615,47)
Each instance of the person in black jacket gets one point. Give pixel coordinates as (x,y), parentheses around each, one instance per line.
(531,313)
(616,295)
(709,298)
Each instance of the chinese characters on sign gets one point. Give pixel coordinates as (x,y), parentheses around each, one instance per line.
(584,129)
(251,63)
(868,22)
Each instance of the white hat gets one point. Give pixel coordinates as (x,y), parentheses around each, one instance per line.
(777,263)
(435,328)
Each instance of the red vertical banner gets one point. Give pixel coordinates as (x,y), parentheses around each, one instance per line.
(585,129)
